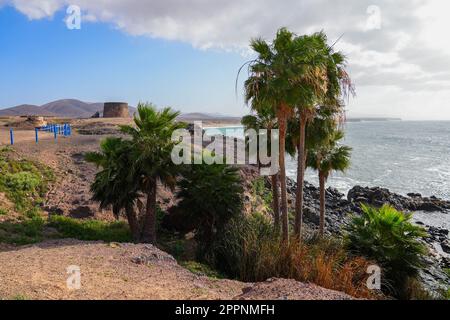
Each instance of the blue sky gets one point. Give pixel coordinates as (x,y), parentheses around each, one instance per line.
(186,53)
(42,60)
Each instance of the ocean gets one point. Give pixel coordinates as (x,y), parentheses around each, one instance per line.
(403,156)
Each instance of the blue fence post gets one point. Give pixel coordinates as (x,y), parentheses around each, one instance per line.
(11,135)
(36,132)
(55,134)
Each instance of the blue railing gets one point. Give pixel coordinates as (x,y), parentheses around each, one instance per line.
(56,129)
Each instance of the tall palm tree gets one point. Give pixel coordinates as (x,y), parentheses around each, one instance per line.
(265,119)
(326,83)
(326,158)
(114,186)
(275,80)
(151,139)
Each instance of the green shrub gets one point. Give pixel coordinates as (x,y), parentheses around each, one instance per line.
(3,212)
(210,195)
(23,181)
(388,236)
(201,269)
(237,249)
(447,271)
(23,232)
(91,230)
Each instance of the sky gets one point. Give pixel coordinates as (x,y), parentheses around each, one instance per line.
(186,53)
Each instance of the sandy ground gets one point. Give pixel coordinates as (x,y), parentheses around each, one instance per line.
(107,272)
(128,271)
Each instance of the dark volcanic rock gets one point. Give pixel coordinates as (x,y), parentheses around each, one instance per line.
(377,197)
(338,209)
(82,212)
(446,246)
(380,196)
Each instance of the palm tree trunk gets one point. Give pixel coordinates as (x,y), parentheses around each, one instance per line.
(149,225)
(300,178)
(322,204)
(283,206)
(133,223)
(276,202)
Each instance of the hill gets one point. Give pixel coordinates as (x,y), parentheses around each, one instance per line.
(25,109)
(65,108)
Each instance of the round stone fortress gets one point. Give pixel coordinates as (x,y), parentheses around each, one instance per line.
(115,110)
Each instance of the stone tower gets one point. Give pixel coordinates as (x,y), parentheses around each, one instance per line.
(115,110)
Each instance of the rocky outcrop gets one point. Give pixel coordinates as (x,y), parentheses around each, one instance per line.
(338,208)
(414,202)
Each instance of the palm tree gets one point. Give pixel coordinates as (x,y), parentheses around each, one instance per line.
(326,82)
(210,195)
(327,158)
(273,81)
(114,186)
(151,139)
(265,119)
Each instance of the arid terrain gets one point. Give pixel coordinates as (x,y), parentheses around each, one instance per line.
(108,270)
(128,271)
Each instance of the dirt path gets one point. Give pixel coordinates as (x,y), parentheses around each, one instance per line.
(127,271)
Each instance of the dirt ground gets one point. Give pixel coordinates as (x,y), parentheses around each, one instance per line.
(127,271)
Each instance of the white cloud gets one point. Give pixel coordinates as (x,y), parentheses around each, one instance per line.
(37,9)
(409,51)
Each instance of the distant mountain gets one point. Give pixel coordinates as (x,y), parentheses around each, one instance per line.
(205,116)
(25,109)
(365,119)
(66,108)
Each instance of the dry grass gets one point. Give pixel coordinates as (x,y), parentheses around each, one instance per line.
(322,263)
(251,252)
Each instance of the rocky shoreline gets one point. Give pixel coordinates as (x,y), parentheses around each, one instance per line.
(339,209)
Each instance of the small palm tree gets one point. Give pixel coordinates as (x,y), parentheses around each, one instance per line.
(325,159)
(114,186)
(390,238)
(151,140)
(210,195)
